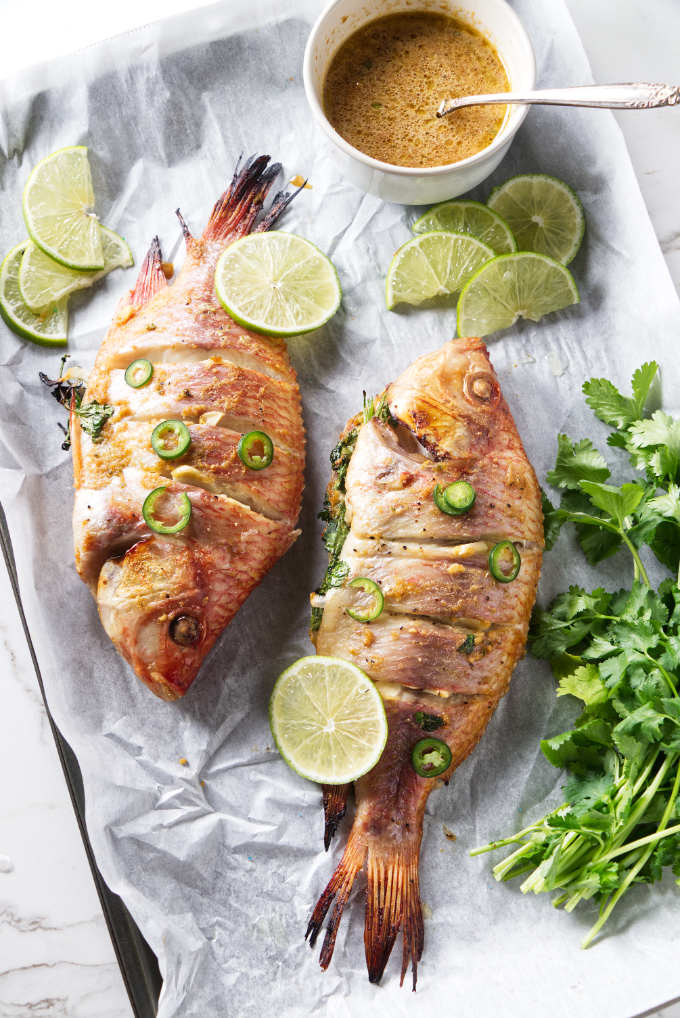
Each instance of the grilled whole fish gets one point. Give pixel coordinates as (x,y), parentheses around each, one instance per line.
(164,599)
(450,633)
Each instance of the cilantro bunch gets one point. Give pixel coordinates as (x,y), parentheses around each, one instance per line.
(619,655)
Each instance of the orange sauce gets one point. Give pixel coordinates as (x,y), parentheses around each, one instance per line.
(385,82)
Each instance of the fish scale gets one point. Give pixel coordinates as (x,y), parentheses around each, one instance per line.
(164,600)
(450,633)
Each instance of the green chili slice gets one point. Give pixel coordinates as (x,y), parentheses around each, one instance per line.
(170,439)
(149,508)
(430,757)
(370,587)
(139,373)
(455,499)
(256,450)
(504,561)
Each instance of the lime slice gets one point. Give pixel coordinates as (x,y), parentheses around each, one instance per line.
(544,214)
(512,286)
(433,264)
(49,327)
(43,281)
(58,206)
(327,719)
(277,283)
(469,217)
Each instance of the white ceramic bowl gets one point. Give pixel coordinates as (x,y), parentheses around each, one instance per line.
(419,185)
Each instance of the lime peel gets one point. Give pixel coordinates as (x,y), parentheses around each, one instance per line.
(49,328)
(327,719)
(58,204)
(277,283)
(544,213)
(465,216)
(433,264)
(520,285)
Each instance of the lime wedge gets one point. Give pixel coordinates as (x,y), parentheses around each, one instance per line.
(433,264)
(543,213)
(49,327)
(469,217)
(58,206)
(43,281)
(327,719)
(512,286)
(277,283)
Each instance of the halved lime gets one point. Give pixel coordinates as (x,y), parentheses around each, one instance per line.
(49,327)
(327,719)
(435,264)
(544,214)
(43,281)
(58,206)
(512,286)
(277,283)
(469,217)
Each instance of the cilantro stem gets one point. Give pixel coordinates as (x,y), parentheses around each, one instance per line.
(640,842)
(639,572)
(633,872)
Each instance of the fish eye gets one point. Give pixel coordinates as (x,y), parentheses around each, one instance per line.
(480,387)
(186,630)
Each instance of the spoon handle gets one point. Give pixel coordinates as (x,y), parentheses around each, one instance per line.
(636,95)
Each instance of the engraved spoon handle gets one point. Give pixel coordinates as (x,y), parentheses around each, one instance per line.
(636,95)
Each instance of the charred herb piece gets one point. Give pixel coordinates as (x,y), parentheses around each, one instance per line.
(69,392)
(428,722)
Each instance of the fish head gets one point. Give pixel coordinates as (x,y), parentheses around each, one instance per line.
(451,401)
(154,604)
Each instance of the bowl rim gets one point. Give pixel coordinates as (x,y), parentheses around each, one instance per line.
(504,136)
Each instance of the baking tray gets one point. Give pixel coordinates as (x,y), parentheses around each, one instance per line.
(136,960)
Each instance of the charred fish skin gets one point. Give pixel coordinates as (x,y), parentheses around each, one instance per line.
(450,634)
(165,599)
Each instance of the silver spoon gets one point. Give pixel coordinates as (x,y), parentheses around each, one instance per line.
(636,95)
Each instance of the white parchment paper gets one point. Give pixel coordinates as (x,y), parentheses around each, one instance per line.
(220,860)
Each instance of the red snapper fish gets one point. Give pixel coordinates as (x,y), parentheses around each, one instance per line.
(167,585)
(458,591)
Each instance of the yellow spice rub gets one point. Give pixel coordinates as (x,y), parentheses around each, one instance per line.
(384,85)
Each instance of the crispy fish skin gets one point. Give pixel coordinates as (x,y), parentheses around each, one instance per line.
(449,635)
(164,600)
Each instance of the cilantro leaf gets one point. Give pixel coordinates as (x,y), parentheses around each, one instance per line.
(607,403)
(616,502)
(577,461)
(655,445)
(585,683)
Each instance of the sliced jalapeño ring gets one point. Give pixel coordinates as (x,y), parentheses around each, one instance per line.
(139,373)
(504,562)
(255,450)
(372,588)
(149,512)
(455,499)
(430,757)
(170,439)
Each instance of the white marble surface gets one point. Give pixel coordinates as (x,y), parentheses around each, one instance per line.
(56,958)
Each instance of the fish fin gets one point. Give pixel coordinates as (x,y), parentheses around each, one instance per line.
(151,277)
(236,211)
(338,888)
(334,807)
(185,229)
(393,904)
(278,206)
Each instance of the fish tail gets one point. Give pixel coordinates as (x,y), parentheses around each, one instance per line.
(236,211)
(338,888)
(151,277)
(334,807)
(393,904)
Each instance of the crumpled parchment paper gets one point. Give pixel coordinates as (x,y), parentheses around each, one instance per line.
(220,860)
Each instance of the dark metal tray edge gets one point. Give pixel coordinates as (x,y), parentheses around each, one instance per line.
(137,962)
